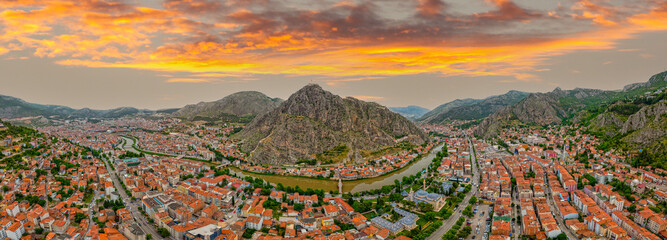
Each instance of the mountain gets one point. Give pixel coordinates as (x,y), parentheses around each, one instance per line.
(446,107)
(313,122)
(563,106)
(478,109)
(410,112)
(11,108)
(639,122)
(249,103)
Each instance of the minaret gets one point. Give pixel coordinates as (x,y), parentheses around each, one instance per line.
(340,185)
(424,184)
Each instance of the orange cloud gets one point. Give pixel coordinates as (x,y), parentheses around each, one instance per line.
(653,21)
(340,43)
(188,80)
(368,98)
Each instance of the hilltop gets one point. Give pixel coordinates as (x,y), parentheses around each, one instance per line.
(235,107)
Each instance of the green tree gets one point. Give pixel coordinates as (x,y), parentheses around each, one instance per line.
(632,208)
(561,236)
(78,217)
(163,232)
(248,233)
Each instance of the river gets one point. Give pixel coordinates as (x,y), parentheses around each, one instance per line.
(348,186)
(127,146)
(332,185)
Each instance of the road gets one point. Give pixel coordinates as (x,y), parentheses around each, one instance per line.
(559,219)
(91,206)
(437,235)
(516,214)
(132,206)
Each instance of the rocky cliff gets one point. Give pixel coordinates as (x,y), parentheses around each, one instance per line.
(539,109)
(313,121)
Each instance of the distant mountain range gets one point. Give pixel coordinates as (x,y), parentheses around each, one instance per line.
(410,112)
(237,107)
(313,122)
(11,107)
(471,109)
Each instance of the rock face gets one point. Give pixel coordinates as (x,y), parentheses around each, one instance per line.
(312,121)
(640,123)
(608,122)
(478,110)
(648,126)
(237,104)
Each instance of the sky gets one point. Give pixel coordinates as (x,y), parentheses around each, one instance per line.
(163,54)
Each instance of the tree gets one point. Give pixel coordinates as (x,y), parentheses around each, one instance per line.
(473,200)
(632,208)
(465,231)
(298,207)
(467,211)
(248,233)
(78,217)
(561,236)
(163,232)
(430,216)
(149,236)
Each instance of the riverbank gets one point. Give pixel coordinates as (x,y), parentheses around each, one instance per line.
(352,186)
(416,159)
(134,146)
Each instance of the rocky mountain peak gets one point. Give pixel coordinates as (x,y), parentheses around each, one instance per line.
(312,121)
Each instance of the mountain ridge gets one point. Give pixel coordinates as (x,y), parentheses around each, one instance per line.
(472,109)
(411,112)
(631,116)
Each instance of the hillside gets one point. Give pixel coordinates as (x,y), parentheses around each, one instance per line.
(447,107)
(410,112)
(639,123)
(594,107)
(235,107)
(477,110)
(313,121)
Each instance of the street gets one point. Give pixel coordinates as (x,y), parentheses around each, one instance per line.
(559,219)
(437,235)
(133,207)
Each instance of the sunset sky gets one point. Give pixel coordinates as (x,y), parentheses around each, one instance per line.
(162,54)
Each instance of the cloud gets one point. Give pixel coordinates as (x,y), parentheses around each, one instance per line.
(188,80)
(368,98)
(340,41)
(430,8)
(334,82)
